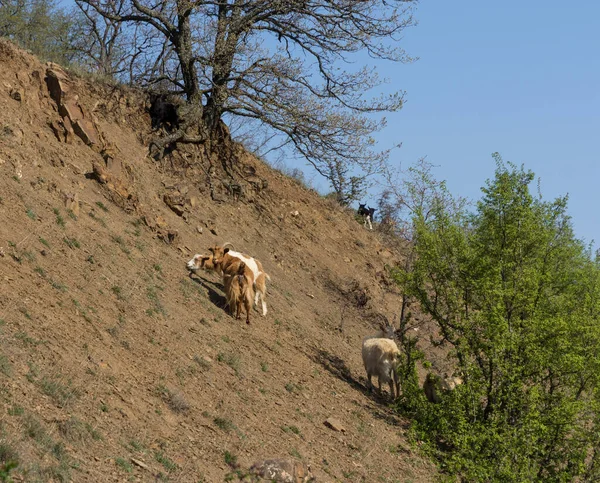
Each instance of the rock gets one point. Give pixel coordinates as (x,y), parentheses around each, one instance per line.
(72,113)
(168,236)
(282,471)
(17,94)
(161,222)
(139,463)
(176,202)
(334,424)
(86,131)
(214,231)
(199,229)
(72,202)
(57,82)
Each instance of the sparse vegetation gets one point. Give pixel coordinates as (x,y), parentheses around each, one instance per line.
(232,360)
(230,459)
(5,366)
(203,364)
(119,241)
(16,410)
(164,460)
(60,221)
(224,423)
(71,242)
(97,218)
(77,431)
(291,429)
(59,389)
(9,460)
(117,291)
(295,453)
(124,465)
(102,206)
(157,306)
(174,399)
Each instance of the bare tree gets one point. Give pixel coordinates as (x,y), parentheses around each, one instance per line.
(280,62)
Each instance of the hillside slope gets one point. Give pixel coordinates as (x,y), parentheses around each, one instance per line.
(115,365)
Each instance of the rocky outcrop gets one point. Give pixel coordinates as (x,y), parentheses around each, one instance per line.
(74,118)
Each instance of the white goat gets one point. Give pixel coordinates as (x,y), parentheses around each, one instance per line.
(260,276)
(380,357)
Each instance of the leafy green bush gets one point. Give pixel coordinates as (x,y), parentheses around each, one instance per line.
(515,295)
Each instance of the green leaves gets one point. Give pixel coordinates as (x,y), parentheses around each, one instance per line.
(516,295)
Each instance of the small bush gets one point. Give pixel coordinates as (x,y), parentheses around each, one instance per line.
(224,424)
(60,221)
(124,465)
(165,461)
(71,242)
(102,206)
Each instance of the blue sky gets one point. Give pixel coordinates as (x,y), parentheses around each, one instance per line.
(518,77)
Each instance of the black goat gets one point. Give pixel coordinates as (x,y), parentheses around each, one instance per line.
(163,111)
(367,214)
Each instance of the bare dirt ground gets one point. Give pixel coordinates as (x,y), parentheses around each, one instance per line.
(115,365)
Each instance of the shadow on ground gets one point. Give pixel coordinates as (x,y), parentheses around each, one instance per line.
(216,297)
(379,407)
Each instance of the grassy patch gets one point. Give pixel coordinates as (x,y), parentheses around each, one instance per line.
(99,219)
(164,460)
(119,241)
(16,410)
(60,221)
(290,429)
(9,460)
(204,365)
(124,465)
(102,206)
(71,242)
(117,291)
(230,459)
(61,393)
(5,366)
(174,399)
(26,340)
(295,453)
(232,360)
(77,431)
(152,294)
(224,424)
(291,387)
(24,311)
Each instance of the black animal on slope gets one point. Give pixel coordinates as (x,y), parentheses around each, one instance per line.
(163,111)
(367,214)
